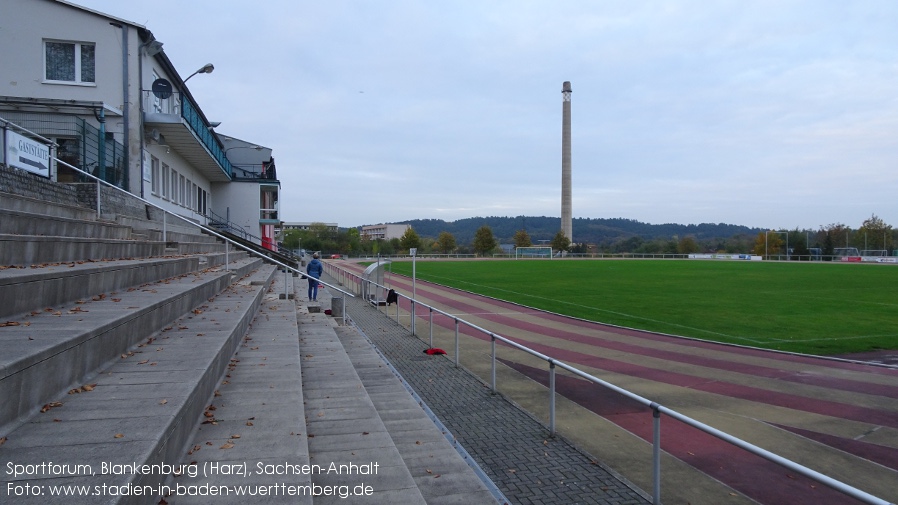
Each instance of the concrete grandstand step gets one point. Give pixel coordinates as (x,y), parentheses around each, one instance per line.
(33,249)
(57,348)
(28,223)
(139,410)
(13,202)
(442,474)
(259,418)
(40,286)
(343,425)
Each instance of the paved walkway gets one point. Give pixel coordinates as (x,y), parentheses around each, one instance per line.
(512,448)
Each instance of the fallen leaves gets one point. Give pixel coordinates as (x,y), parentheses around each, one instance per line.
(119,435)
(3,440)
(10,323)
(83,389)
(51,405)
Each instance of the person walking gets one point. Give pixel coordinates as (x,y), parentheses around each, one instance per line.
(314,270)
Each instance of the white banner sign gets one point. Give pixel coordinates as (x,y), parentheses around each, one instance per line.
(27,154)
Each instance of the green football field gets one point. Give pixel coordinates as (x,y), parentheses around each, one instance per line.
(816,308)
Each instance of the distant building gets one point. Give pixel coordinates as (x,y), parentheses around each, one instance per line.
(307,226)
(384,231)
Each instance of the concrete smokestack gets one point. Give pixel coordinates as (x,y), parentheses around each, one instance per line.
(567,224)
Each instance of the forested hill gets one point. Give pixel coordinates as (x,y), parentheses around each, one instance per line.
(593,231)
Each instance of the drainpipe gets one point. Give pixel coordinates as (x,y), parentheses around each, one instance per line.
(126,115)
(101,156)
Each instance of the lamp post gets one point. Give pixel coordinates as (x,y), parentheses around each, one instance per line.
(205,69)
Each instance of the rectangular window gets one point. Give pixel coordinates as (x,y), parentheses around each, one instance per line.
(165,180)
(72,62)
(154,175)
(174,186)
(199,199)
(182,198)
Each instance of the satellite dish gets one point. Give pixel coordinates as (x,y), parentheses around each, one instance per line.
(162,88)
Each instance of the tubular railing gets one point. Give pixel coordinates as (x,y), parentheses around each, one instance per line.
(205,229)
(656,408)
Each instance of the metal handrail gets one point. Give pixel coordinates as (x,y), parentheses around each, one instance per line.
(657,409)
(205,229)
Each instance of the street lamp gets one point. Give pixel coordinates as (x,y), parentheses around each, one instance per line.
(206,69)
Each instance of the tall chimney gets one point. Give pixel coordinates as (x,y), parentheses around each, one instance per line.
(566,218)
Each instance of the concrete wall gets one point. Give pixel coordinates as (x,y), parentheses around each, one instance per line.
(113,203)
(246,213)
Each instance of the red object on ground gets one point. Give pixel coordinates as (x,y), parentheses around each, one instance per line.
(434,350)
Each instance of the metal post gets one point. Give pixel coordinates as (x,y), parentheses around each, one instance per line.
(493,365)
(98,198)
(227,260)
(456,342)
(164,226)
(412,315)
(285,285)
(656,455)
(431,327)
(552,398)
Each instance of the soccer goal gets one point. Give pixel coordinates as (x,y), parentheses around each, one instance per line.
(537,251)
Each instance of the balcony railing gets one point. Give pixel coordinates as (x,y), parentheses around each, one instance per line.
(257,172)
(202,130)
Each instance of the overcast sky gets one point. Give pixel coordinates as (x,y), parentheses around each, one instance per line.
(777,114)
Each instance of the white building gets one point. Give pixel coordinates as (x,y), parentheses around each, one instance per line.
(288,225)
(384,231)
(105,92)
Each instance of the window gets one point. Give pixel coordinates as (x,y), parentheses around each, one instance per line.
(182,198)
(72,62)
(174,186)
(199,199)
(165,180)
(154,175)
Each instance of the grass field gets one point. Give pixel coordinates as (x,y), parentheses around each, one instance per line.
(815,308)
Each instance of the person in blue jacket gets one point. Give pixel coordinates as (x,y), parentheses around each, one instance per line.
(313,271)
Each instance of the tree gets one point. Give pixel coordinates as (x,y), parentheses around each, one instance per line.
(874,234)
(409,240)
(445,242)
(522,239)
(484,241)
(560,242)
(769,243)
(687,245)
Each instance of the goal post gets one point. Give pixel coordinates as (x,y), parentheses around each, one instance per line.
(531,252)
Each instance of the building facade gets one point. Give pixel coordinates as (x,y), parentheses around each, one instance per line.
(103,90)
(384,231)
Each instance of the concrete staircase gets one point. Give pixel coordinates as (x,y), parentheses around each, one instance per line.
(133,364)
(113,340)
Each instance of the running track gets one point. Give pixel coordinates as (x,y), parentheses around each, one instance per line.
(837,417)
